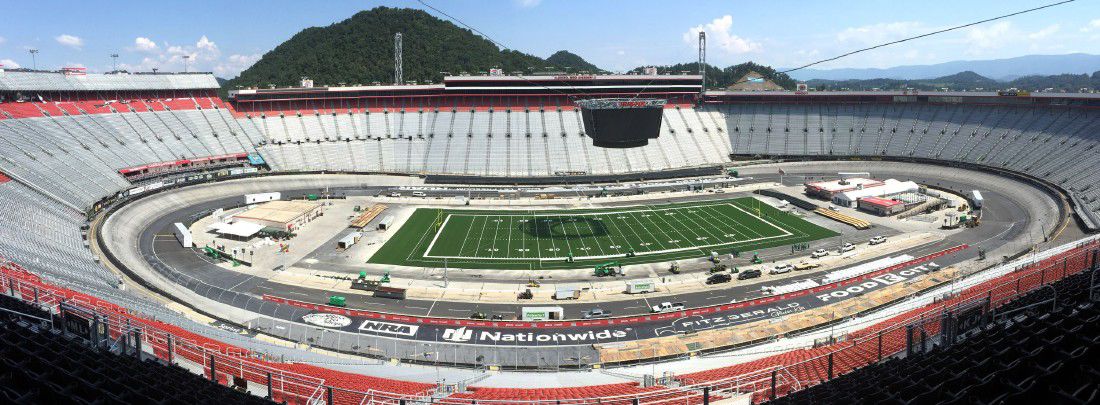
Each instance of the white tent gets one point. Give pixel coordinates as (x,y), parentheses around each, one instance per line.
(889,187)
(243,229)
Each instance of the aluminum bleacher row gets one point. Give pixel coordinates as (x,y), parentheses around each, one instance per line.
(1056,144)
(1036,355)
(76,151)
(500,142)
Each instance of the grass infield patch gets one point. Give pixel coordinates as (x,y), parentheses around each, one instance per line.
(546,239)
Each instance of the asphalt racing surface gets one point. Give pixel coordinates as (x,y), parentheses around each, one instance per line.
(1001,217)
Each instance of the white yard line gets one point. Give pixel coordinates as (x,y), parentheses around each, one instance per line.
(440,231)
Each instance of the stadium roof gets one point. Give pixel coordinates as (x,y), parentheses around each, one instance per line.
(26,80)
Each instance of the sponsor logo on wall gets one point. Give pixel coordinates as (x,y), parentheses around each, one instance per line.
(464,335)
(871,284)
(696,323)
(387,328)
(327,320)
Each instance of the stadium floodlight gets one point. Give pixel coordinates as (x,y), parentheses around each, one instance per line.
(114,62)
(622,122)
(34,61)
(185,59)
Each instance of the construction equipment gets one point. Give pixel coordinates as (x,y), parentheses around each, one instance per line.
(608,269)
(526,294)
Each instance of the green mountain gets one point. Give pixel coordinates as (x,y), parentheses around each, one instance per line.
(968,81)
(572,61)
(723,77)
(360,50)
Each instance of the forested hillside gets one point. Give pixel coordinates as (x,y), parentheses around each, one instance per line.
(360,50)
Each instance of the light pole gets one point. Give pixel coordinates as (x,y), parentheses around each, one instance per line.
(34,61)
(185,59)
(114,62)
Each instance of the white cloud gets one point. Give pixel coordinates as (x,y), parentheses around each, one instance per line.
(1093,25)
(881,32)
(528,3)
(234,64)
(144,44)
(206,45)
(71,41)
(202,56)
(1045,32)
(991,36)
(10,64)
(719,34)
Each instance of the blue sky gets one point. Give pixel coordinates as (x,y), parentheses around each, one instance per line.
(228,36)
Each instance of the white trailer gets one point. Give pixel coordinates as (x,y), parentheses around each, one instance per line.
(349,240)
(976,197)
(542,313)
(183,235)
(640,286)
(567,293)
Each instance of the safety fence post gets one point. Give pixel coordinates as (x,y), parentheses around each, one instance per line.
(773,384)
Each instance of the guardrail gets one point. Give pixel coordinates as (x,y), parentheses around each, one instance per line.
(626,320)
(219,361)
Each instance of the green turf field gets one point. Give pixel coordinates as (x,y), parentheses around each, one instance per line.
(546,239)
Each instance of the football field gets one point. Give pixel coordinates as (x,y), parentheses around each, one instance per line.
(549,239)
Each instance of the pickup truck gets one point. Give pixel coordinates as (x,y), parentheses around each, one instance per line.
(667,307)
(877,240)
(819,253)
(848,247)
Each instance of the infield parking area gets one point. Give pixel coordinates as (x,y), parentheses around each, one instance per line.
(557,239)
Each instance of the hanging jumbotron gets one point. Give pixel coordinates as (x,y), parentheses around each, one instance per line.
(621,122)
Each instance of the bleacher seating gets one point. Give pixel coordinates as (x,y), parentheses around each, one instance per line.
(70,150)
(1039,356)
(1053,144)
(39,366)
(476,142)
(843,218)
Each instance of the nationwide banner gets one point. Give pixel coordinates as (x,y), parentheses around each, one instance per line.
(578,333)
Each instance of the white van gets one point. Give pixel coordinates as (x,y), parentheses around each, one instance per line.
(419,194)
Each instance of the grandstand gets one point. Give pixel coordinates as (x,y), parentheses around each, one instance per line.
(67,143)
